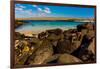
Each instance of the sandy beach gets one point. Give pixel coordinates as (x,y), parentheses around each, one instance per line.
(36,31)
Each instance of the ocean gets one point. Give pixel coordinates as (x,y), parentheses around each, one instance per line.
(45,25)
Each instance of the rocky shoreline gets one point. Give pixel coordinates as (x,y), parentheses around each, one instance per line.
(56,46)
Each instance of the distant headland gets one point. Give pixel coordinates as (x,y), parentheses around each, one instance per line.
(59,18)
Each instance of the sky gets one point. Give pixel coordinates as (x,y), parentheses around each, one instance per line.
(32,10)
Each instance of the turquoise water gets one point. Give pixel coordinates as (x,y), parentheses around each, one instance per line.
(44,25)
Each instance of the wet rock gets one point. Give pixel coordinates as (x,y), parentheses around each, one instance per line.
(67,58)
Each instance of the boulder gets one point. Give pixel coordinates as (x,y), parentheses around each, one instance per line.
(34,40)
(42,35)
(92,47)
(55,31)
(67,58)
(42,53)
(89,26)
(55,37)
(64,46)
(19,36)
(90,34)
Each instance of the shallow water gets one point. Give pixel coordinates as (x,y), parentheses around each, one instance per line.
(45,25)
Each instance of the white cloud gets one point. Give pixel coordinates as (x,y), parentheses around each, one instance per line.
(39,9)
(22,6)
(42,14)
(21,10)
(18,9)
(47,10)
(35,6)
(29,11)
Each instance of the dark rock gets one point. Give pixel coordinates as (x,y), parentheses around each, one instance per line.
(18,23)
(53,58)
(42,53)
(55,34)
(19,36)
(83,47)
(80,27)
(34,40)
(88,56)
(50,46)
(64,46)
(42,35)
(55,31)
(54,42)
(92,47)
(90,34)
(55,37)
(89,26)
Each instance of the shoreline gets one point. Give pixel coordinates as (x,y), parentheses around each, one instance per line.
(36,32)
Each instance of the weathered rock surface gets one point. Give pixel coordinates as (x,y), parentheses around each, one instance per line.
(56,46)
(42,53)
(67,58)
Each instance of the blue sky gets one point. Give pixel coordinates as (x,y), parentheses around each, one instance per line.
(32,10)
